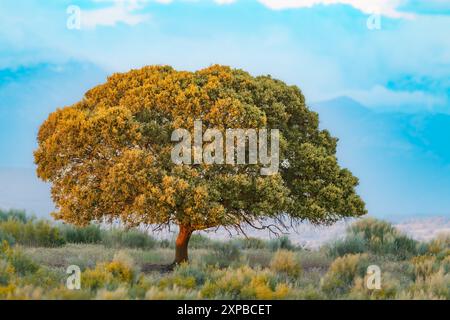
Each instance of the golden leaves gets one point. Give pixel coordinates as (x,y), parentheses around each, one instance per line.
(108,156)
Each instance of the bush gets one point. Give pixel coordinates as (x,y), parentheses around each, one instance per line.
(198,241)
(110,275)
(17,215)
(424,266)
(375,236)
(285,262)
(21,264)
(281,243)
(4,236)
(176,293)
(89,234)
(440,245)
(34,234)
(6,272)
(190,271)
(244,283)
(341,275)
(251,243)
(352,244)
(131,239)
(223,254)
(121,293)
(435,286)
(388,289)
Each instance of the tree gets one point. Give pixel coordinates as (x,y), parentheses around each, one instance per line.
(108,156)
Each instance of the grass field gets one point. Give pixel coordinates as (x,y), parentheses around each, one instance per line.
(117,264)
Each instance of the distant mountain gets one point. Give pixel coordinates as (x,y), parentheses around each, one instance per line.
(402,159)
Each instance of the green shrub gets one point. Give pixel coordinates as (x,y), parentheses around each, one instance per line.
(5,236)
(116,238)
(223,254)
(186,270)
(6,272)
(251,243)
(352,244)
(281,243)
(89,234)
(198,241)
(378,237)
(18,215)
(21,263)
(33,233)
(341,275)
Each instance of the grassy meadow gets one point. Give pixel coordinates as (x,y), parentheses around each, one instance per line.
(119,264)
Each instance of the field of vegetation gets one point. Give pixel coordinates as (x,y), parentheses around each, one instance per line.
(118,264)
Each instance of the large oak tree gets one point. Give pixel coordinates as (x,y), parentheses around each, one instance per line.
(108,156)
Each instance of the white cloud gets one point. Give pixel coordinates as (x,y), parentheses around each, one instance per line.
(382,97)
(384,7)
(120,11)
(220,2)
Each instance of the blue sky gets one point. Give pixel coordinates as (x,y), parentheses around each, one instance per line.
(384,92)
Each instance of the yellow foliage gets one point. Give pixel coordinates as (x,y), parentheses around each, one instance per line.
(423,266)
(285,261)
(117,271)
(5,291)
(120,293)
(342,273)
(245,283)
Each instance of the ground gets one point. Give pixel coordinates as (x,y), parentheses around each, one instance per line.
(118,264)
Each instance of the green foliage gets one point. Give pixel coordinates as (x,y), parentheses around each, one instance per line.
(198,273)
(12,214)
(117,238)
(32,233)
(223,254)
(5,236)
(382,238)
(21,264)
(281,243)
(353,243)
(251,243)
(88,234)
(198,241)
(6,272)
(376,237)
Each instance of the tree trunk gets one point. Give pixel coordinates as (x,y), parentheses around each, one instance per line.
(181,245)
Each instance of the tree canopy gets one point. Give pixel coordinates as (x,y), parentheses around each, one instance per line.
(108,156)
